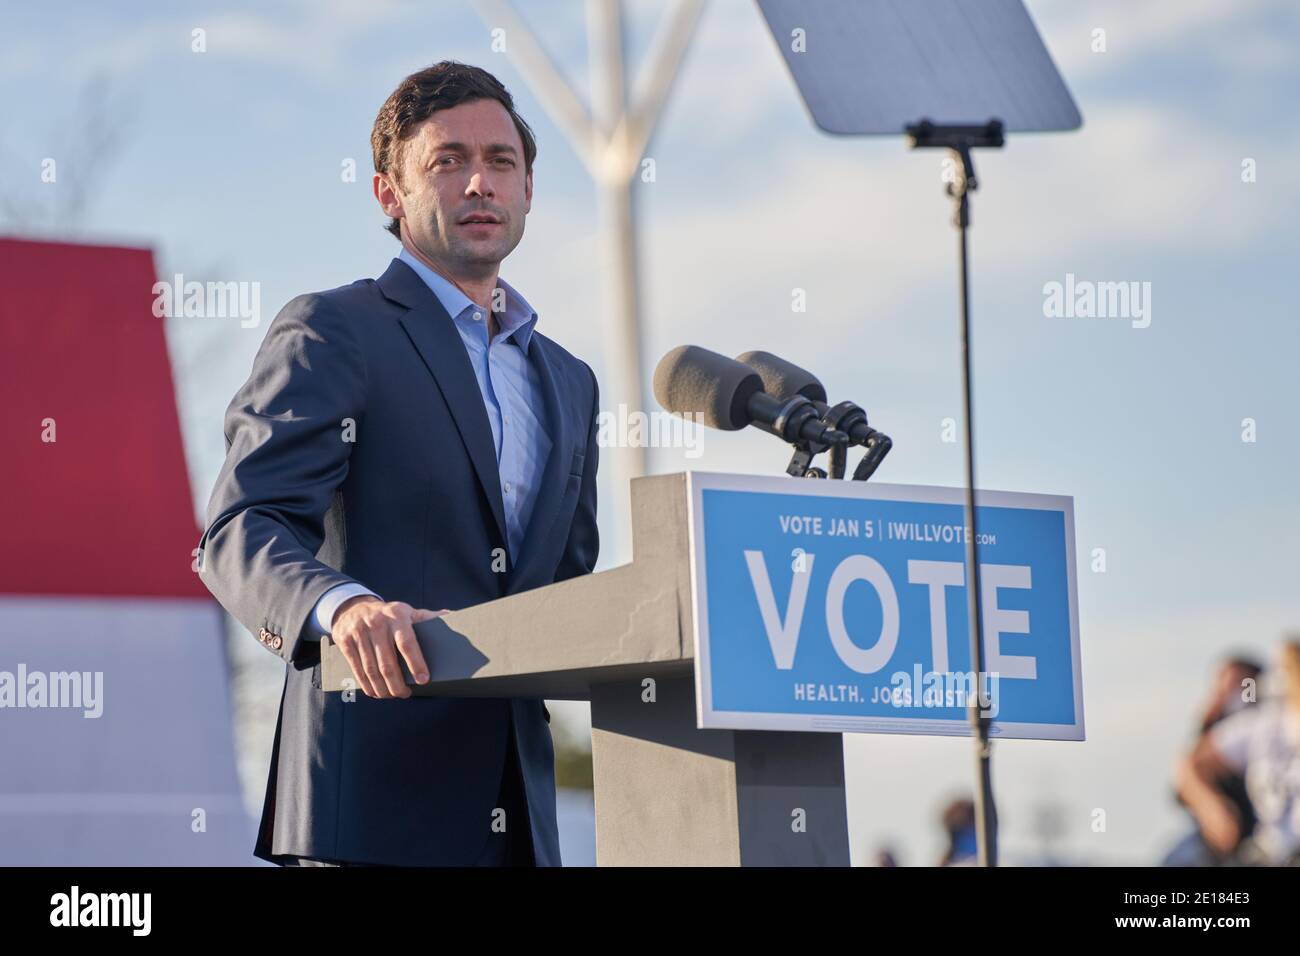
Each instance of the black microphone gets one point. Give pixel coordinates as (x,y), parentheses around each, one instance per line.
(783,380)
(725,394)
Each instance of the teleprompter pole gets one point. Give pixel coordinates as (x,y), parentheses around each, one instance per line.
(960,140)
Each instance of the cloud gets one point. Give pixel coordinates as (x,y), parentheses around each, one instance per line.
(1136,30)
(865,229)
(307,37)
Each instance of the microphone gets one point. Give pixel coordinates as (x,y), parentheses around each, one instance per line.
(783,380)
(725,394)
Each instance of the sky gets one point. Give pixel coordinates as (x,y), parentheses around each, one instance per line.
(228,164)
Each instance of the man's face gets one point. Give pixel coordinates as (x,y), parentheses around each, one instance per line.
(463,163)
(1231,686)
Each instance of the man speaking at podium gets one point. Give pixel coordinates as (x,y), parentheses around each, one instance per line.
(407,443)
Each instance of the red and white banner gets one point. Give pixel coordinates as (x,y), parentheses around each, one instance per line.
(116,739)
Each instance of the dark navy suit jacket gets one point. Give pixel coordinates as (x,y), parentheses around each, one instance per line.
(411,508)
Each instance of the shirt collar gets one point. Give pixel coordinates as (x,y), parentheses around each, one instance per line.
(517,320)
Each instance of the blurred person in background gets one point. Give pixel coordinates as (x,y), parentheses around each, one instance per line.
(885,857)
(1262,744)
(958,820)
(1232,690)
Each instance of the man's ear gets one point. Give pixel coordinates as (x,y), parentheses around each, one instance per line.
(528,192)
(385,192)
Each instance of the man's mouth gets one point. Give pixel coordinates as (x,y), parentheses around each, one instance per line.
(483,219)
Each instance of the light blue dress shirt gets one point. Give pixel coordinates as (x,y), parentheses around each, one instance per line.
(512,397)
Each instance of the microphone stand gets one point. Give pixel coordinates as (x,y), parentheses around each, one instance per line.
(846,417)
(804,452)
(840,418)
(877,448)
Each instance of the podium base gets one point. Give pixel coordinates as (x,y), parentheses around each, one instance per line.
(669,794)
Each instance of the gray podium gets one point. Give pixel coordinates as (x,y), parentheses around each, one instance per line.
(667,793)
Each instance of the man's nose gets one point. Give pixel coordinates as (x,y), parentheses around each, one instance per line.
(479,185)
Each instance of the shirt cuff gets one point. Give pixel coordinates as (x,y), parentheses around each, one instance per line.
(328,605)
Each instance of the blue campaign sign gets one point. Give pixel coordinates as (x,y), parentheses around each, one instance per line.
(841,606)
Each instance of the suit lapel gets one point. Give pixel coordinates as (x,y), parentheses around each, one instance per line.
(433,333)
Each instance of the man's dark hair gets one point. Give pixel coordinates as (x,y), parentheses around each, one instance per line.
(420,95)
(1244,662)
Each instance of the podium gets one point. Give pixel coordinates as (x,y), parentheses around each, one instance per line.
(666,792)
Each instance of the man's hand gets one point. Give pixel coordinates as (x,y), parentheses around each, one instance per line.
(371,633)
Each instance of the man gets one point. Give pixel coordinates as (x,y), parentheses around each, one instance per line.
(1262,744)
(1227,696)
(958,819)
(403,444)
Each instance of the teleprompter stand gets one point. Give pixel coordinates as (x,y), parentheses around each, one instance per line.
(933,72)
(960,140)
